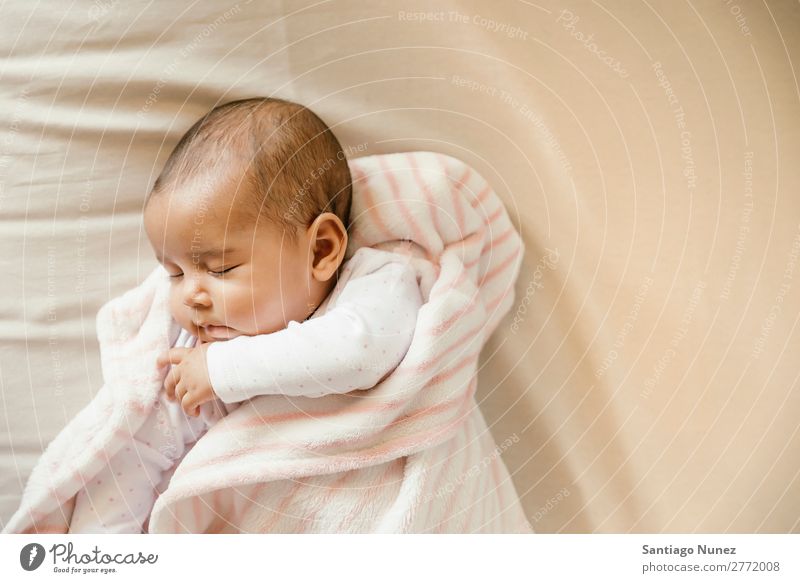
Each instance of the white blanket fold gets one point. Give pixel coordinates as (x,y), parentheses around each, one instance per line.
(412,454)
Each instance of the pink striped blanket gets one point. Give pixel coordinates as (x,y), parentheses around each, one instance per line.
(411,454)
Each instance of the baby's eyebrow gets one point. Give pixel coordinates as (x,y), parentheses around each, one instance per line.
(213,253)
(203,254)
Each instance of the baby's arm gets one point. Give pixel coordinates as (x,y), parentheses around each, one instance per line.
(352,346)
(119,499)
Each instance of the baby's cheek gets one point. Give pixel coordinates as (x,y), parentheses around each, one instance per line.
(267,311)
(175,308)
(236,305)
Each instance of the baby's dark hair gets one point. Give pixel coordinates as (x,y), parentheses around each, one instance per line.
(294,167)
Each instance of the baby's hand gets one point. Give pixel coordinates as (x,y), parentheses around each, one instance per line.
(188,379)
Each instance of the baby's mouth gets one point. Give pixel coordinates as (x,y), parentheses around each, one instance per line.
(211,332)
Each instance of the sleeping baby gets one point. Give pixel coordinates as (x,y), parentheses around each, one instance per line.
(248,218)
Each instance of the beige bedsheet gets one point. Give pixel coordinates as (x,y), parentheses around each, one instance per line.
(648,152)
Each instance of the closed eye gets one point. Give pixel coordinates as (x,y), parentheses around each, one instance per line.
(222,271)
(177,275)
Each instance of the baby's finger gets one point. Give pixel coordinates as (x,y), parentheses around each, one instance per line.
(171,356)
(171,381)
(180,393)
(188,405)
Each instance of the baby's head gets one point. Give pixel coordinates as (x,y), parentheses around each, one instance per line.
(248,217)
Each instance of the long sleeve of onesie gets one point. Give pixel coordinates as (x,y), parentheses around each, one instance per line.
(362,336)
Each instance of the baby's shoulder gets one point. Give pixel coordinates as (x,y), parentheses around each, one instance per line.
(368,260)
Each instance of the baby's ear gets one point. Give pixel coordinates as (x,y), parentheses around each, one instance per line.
(328,238)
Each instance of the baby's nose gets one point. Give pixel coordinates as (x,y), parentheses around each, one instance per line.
(197,300)
(196,297)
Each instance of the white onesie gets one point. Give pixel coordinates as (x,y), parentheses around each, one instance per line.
(355,338)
